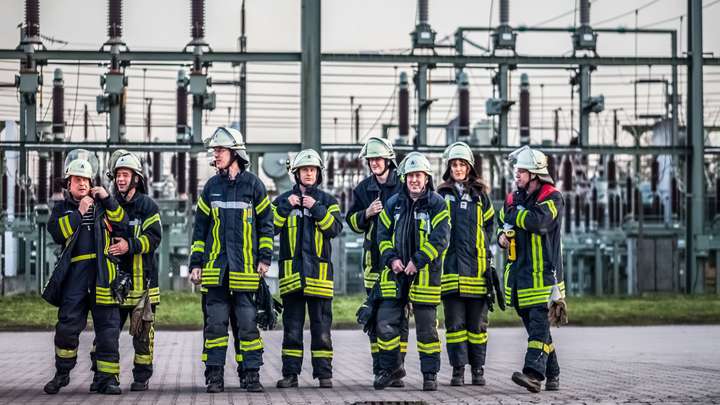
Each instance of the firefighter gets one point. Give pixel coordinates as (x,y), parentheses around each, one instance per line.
(138,255)
(83,223)
(530,227)
(464,287)
(413,234)
(231,250)
(369,197)
(306,218)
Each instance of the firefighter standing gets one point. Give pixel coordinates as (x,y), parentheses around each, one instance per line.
(464,287)
(231,250)
(82,223)
(306,218)
(369,197)
(414,231)
(138,256)
(530,227)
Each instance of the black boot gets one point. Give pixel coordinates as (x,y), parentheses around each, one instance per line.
(139,385)
(252,378)
(478,376)
(552,383)
(111,386)
(243,379)
(429,382)
(397,381)
(288,381)
(383,379)
(458,376)
(214,379)
(61,379)
(524,380)
(95,384)
(325,382)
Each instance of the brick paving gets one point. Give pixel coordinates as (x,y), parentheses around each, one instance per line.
(667,364)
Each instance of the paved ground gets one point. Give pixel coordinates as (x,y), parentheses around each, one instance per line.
(670,364)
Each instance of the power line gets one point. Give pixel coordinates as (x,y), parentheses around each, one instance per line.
(677,16)
(629,12)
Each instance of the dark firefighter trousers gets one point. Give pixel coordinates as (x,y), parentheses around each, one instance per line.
(217,309)
(375,351)
(389,326)
(466,322)
(236,339)
(540,358)
(321,351)
(78,299)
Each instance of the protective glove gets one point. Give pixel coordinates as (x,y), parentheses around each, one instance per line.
(557,308)
(121,286)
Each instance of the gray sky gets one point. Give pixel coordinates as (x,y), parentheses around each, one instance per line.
(351,26)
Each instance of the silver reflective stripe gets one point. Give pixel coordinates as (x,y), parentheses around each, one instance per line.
(230,205)
(134,222)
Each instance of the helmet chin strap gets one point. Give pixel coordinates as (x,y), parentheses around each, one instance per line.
(132,185)
(387,167)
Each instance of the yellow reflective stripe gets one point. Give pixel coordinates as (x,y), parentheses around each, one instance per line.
(403,347)
(145,359)
(333,208)
(65,227)
(108,367)
(488,214)
(385,245)
(247,242)
(326,222)
(552,207)
(428,348)
(456,337)
(115,215)
(80,258)
(265,243)
(429,250)
(374,348)
(262,206)
(502,216)
(536,344)
(326,354)
(439,217)
(385,219)
(203,357)
(480,246)
(249,345)
(202,206)
(66,353)
(477,338)
(354,222)
(292,234)
(217,342)
(215,250)
(278,219)
(538,265)
(144,244)
(318,243)
(292,353)
(388,345)
(198,246)
(146,224)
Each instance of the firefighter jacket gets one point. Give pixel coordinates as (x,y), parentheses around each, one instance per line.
(537,222)
(64,227)
(305,249)
(233,231)
(468,256)
(144,234)
(364,194)
(414,230)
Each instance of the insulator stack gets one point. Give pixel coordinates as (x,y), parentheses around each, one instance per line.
(32,18)
(463,106)
(551,166)
(404,108)
(330,172)
(675,196)
(628,195)
(567,175)
(58,130)
(586,216)
(584,12)
(567,221)
(578,211)
(157,169)
(3,200)
(524,110)
(654,174)
(637,201)
(181,130)
(504,12)
(42,188)
(612,174)
(193,186)
(423,11)
(611,210)
(594,204)
(114,19)
(197,19)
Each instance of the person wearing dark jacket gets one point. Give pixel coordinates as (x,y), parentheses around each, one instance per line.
(369,198)
(231,250)
(530,228)
(464,287)
(137,253)
(83,223)
(307,219)
(414,232)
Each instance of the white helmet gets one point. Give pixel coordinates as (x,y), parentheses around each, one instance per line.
(306,157)
(458,150)
(79,168)
(230,138)
(378,148)
(416,162)
(129,161)
(533,161)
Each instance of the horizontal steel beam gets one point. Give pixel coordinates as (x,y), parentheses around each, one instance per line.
(555,150)
(237,57)
(142,146)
